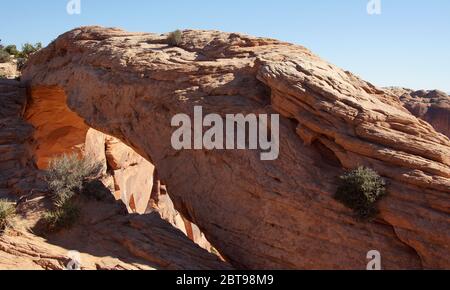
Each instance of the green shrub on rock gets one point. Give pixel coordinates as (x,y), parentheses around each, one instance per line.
(28,49)
(12,50)
(4,56)
(360,190)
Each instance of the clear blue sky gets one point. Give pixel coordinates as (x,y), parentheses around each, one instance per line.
(407,45)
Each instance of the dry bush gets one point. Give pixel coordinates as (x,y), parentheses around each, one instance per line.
(7,213)
(175,38)
(67,177)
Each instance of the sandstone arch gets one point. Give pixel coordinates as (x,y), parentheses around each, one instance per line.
(278,214)
(106,237)
(59,130)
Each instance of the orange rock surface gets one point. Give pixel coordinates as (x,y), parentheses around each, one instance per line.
(279,214)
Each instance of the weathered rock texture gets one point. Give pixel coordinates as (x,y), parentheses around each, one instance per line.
(58,130)
(106,237)
(272,214)
(431,106)
(135,182)
(17,169)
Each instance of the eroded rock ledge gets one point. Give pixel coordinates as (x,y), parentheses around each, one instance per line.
(277,214)
(106,236)
(107,239)
(132,179)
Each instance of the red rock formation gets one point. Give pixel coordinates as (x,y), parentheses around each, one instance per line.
(430,106)
(136,183)
(58,130)
(17,170)
(105,235)
(274,214)
(106,239)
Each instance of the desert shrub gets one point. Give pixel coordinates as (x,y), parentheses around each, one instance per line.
(62,217)
(7,213)
(360,190)
(68,174)
(28,49)
(174,38)
(67,177)
(4,56)
(12,50)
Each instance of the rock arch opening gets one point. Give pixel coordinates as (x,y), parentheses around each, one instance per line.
(131,178)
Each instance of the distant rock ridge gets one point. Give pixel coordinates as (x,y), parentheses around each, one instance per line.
(431,106)
(263,215)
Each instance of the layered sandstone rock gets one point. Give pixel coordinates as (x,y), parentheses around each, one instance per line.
(58,130)
(431,106)
(105,237)
(263,214)
(135,182)
(17,170)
